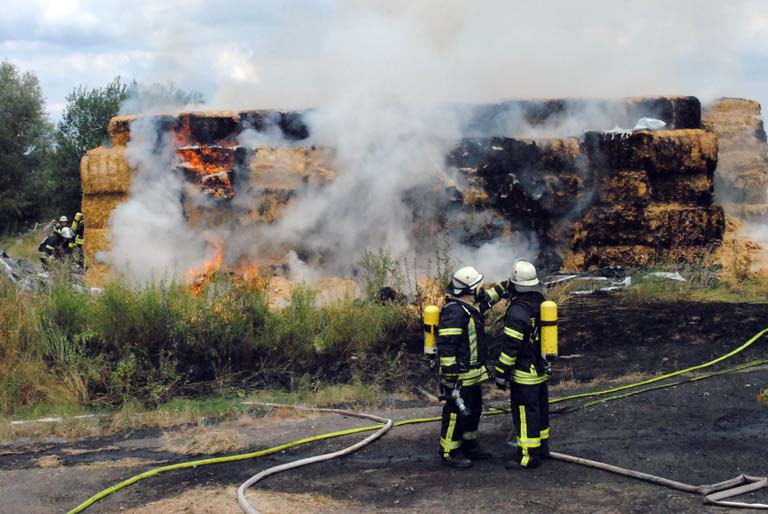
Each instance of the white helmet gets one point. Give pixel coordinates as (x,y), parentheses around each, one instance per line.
(64,219)
(67,233)
(465,280)
(524,274)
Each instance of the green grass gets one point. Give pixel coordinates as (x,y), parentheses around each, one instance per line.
(23,247)
(66,349)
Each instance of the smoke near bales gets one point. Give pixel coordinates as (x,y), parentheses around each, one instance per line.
(386,82)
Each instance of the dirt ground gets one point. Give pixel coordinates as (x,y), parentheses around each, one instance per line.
(700,432)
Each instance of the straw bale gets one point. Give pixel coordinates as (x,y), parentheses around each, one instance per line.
(96,240)
(659,225)
(625,187)
(97,274)
(98,208)
(660,152)
(105,170)
(694,189)
(119,129)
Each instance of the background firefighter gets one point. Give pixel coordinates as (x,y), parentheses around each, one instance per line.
(523,369)
(461,352)
(76,245)
(56,245)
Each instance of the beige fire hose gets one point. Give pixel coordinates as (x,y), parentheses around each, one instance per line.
(387,424)
(713,493)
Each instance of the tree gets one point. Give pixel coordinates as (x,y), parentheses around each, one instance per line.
(24,145)
(83,126)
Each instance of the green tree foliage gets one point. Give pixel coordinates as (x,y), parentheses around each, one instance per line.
(83,126)
(24,146)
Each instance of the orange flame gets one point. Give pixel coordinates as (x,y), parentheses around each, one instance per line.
(198,277)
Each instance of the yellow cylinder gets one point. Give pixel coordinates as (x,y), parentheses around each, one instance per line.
(549,330)
(431,319)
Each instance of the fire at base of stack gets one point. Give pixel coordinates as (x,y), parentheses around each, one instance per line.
(606,198)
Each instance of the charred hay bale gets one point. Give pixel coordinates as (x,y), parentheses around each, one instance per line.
(624,188)
(119,129)
(695,189)
(530,179)
(612,224)
(96,240)
(658,225)
(678,112)
(637,256)
(503,118)
(207,127)
(262,120)
(659,152)
(676,225)
(98,208)
(105,170)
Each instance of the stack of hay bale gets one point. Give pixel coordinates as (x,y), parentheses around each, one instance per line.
(106,180)
(742,168)
(653,199)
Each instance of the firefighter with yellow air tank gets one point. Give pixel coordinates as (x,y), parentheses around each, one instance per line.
(461,354)
(524,362)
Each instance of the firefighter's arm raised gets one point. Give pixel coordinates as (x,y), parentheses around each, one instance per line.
(493,295)
(450,333)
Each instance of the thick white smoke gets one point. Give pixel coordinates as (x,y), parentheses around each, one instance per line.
(381,76)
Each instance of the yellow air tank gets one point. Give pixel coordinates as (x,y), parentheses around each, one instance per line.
(431,319)
(549,330)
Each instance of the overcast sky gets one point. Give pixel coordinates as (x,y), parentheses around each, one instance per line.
(292,53)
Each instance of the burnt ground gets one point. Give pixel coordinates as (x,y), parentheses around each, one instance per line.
(700,432)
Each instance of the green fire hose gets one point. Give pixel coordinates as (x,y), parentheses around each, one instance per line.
(269,451)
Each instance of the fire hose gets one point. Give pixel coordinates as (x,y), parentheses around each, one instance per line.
(243,501)
(261,453)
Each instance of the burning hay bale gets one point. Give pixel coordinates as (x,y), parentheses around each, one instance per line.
(119,129)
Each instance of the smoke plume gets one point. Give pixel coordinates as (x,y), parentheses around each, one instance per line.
(390,84)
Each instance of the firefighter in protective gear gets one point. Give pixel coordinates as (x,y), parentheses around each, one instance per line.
(461,353)
(522,368)
(54,246)
(76,245)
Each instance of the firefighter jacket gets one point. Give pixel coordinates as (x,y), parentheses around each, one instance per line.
(520,359)
(78,226)
(461,343)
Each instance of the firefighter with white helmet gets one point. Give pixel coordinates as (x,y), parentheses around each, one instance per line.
(57,243)
(461,352)
(522,366)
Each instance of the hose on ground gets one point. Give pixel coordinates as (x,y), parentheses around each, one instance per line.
(387,424)
(713,493)
(261,453)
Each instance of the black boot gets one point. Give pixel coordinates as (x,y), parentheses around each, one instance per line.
(453,460)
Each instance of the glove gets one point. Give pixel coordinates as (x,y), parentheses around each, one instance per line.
(501,383)
(483,300)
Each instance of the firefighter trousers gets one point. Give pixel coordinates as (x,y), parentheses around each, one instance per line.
(457,428)
(530,412)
